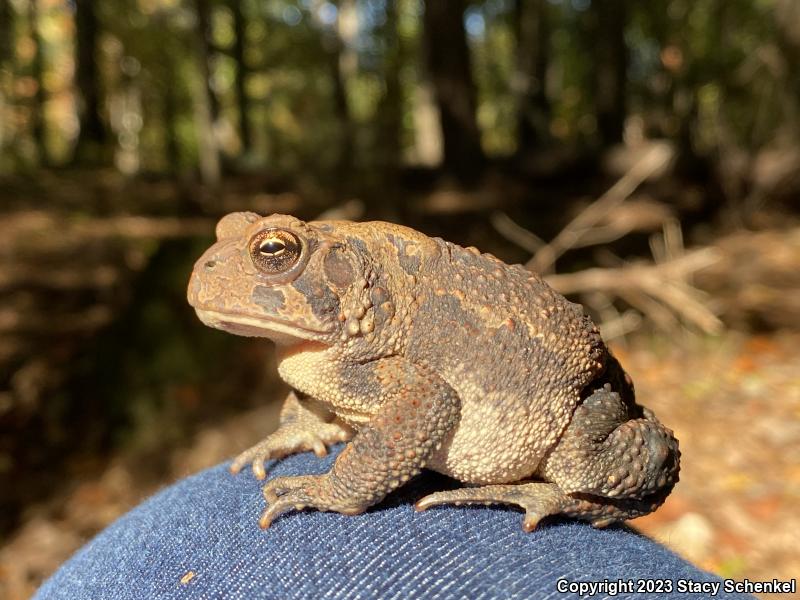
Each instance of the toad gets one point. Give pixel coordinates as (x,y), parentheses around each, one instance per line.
(422,354)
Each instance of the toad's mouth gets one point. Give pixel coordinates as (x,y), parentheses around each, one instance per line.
(250,326)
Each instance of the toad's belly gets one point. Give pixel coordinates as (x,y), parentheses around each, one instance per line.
(496,441)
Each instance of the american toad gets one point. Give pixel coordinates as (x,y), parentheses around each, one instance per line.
(424,354)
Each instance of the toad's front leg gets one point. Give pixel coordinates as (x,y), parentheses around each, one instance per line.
(415,413)
(301,428)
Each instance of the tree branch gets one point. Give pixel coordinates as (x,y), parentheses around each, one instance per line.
(656,159)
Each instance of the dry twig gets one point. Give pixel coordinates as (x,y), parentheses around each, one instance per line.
(585,223)
(660,291)
(515,233)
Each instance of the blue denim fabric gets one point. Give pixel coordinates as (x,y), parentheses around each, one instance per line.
(207,524)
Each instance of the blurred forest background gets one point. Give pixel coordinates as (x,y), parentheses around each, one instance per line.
(644,156)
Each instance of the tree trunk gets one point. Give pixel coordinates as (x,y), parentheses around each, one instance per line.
(387,144)
(610,69)
(239,44)
(37,71)
(171,139)
(787,21)
(448,63)
(206,37)
(343,63)
(427,150)
(206,105)
(6,31)
(7,44)
(93,137)
(533,33)
(391,106)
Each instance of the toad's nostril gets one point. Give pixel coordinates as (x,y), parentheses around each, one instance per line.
(210,264)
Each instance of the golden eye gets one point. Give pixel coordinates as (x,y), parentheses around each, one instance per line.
(275,251)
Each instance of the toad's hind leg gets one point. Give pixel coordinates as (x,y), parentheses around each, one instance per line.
(615,461)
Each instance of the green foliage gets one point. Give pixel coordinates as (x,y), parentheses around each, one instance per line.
(712,71)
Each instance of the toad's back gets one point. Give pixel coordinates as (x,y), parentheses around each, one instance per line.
(518,353)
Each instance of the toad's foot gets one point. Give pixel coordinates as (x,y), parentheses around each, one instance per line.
(290,440)
(305,491)
(301,429)
(537,499)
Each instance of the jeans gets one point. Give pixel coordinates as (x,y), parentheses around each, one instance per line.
(200,539)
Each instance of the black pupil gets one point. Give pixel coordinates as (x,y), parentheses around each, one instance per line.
(271,246)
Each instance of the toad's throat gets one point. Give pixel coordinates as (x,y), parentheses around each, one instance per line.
(250,326)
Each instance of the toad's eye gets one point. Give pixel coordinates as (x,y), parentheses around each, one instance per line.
(275,251)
